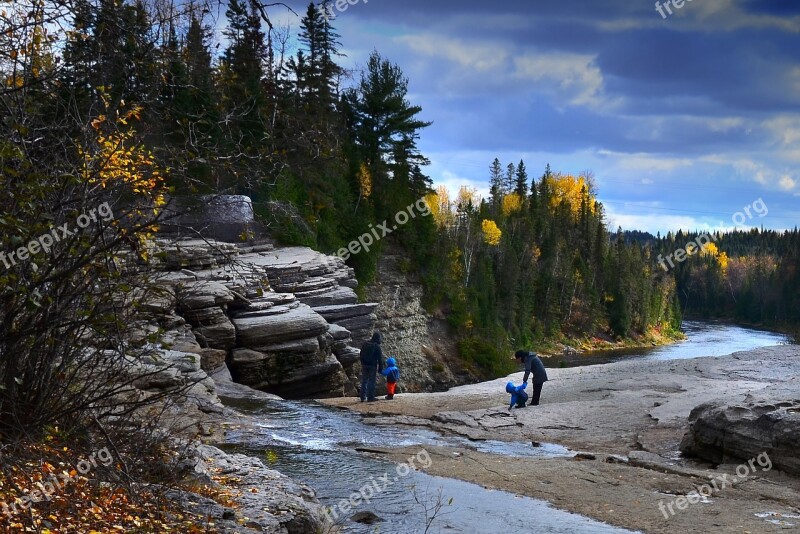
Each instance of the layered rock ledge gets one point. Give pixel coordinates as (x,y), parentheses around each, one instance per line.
(287,320)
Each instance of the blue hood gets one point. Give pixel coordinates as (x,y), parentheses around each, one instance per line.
(510,387)
(391,362)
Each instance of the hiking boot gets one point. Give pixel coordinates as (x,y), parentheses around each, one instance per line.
(389,397)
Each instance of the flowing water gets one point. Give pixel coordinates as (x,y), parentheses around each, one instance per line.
(702,339)
(317,445)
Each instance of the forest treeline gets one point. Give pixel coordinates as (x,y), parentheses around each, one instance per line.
(259,110)
(270,112)
(751,276)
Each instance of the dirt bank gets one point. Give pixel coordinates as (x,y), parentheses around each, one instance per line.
(636,411)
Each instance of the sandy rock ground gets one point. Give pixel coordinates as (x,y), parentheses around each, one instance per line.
(628,418)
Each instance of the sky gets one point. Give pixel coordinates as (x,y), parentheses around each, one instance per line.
(685,119)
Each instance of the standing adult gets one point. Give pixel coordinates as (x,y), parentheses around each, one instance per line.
(533,365)
(371,364)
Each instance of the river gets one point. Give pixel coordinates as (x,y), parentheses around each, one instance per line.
(702,339)
(317,445)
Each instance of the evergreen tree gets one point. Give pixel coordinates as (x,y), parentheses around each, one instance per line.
(243,71)
(521,185)
(509,182)
(320,77)
(383,124)
(496,185)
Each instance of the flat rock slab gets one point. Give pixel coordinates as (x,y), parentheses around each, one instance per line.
(346,311)
(329,297)
(301,322)
(203,294)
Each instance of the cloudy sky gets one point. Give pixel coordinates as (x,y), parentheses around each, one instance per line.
(684,119)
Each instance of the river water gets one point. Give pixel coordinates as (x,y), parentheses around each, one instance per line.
(317,445)
(702,339)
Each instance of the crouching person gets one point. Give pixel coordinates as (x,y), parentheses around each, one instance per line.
(518,395)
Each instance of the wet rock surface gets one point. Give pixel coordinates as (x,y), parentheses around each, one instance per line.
(630,416)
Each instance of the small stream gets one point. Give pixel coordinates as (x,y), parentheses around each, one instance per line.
(317,445)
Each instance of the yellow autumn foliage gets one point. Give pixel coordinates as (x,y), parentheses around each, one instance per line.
(365,181)
(491,233)
(723,261)
(710,249)
(512,203)
(117,159)
(572,190)
(467,196)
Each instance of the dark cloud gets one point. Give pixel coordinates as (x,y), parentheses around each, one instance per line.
(715,86)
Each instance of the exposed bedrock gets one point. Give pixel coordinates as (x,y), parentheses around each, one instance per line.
(732,433)
(287,320)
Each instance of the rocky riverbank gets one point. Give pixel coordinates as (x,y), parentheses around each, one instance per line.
(627,420)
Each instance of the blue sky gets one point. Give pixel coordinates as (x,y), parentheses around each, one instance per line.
(683,120)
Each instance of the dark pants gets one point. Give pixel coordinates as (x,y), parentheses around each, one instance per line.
(368,376)
(537,392)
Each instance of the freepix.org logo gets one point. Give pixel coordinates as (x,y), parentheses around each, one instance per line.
(44,243)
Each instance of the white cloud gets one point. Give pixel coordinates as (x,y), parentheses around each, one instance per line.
(575,77)
(785,129)
(727,16)
(787,183)
(480,57)
(644,163)
(651,223)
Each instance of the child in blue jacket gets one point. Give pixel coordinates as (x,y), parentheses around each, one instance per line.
(392,374)
(518,395)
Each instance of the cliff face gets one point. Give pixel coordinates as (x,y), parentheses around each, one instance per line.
(426,352)
(286,321)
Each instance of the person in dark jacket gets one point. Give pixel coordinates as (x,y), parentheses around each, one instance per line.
(533,365)
(371,365)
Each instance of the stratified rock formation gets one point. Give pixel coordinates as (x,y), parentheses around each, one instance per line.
(723,433)
(287,320)
(426,352)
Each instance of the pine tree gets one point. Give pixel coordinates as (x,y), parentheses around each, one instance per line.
(321,75)
(509,182)
(496,185)
(521,185)
(243,71)
(80,56)
(383,124)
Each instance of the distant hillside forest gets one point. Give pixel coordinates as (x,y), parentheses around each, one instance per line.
(751,276)
(328,154)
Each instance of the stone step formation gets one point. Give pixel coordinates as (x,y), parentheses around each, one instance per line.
(287,319)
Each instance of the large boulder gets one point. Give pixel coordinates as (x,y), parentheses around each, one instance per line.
(723,433)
